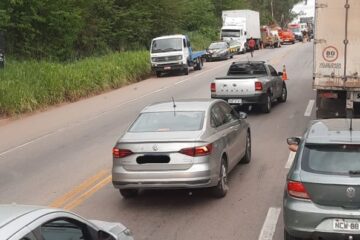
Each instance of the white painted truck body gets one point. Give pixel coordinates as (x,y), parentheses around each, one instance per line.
(252,21)
(336,56)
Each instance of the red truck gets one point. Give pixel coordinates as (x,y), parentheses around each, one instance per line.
(286,36)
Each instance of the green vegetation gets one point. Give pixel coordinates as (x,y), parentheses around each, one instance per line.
(67,49)
(30,85)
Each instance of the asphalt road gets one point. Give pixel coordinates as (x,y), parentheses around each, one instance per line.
(62,158)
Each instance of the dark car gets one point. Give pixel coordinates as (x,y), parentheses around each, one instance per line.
(219,51)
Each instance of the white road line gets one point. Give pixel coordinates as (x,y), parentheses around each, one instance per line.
(268,229)
(180,82)
(309,108)
(290,160)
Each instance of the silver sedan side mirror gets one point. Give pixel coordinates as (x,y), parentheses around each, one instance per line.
(242,115)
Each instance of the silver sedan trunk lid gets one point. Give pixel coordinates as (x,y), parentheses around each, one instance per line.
(158,151)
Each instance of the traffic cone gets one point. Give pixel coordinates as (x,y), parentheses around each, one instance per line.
(284,75)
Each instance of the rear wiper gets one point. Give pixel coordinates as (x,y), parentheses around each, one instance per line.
(354,172)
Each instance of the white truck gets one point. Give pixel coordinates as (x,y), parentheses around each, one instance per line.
(233,32)
(337,59)
(174,53)
(241,25)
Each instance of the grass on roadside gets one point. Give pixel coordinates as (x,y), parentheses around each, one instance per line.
(27,86)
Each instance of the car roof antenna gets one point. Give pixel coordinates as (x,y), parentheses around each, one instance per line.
(174,105)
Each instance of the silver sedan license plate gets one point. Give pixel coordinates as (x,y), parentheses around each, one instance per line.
(346,225)
(238,101)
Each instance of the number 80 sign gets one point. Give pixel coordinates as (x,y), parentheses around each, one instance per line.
(330,54)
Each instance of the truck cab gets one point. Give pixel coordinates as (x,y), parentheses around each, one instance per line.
(173,53)
(233,31)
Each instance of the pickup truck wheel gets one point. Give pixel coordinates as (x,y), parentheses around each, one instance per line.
(266,107)
(283,96)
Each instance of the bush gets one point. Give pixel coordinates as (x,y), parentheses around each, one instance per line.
(31,85)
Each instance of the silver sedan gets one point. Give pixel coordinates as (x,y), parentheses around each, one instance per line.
(25,222)
(181,144)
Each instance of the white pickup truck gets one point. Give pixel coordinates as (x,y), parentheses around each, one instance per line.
(250,83)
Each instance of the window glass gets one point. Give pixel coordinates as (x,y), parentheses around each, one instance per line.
(166,45)
(228,112)
(273,71)
(62,229)
(29,236)
(218,45)
(168,121)
(247,69)
(331,159)
(218,115)
(230,33)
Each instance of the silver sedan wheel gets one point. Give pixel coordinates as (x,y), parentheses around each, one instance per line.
(222,187)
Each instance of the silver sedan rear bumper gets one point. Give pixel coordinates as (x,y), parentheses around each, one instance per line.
(197,176)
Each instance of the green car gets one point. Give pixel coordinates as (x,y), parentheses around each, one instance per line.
(322,193)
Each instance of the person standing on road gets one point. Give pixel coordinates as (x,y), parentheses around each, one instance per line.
(252,44)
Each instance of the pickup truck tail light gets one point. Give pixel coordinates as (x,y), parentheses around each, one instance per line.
(213,87)
(297,189)
(197,151)
(258,86)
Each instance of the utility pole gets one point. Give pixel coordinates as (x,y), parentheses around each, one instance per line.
(272,9)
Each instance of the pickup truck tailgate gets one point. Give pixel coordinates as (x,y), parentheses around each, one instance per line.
(235,87)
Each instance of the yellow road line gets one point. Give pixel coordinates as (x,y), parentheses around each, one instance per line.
(79,200)
(61,201)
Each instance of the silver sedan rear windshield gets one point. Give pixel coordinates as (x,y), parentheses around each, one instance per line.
(341,159)
(168,122)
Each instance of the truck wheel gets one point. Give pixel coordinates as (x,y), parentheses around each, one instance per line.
(198,65)
(283,96)
(186,71)
(158,74)
(266,107)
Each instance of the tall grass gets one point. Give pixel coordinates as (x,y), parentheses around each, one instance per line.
(31,85)
(202,40)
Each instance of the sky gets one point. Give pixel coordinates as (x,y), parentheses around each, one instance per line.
(308,9)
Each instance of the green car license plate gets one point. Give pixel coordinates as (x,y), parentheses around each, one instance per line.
(346,225)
